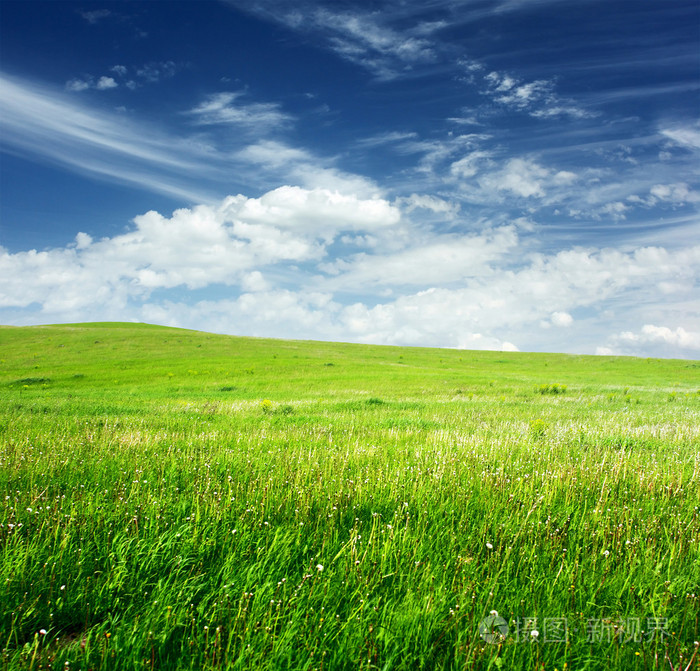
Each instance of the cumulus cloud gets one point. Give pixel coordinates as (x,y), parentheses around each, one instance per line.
(562,319)
(677,194)
(650,333)
(105,83)
(77,85)
(522,177)
(435,261)
(149,73)
(157,70)
(197,247)
(273,252)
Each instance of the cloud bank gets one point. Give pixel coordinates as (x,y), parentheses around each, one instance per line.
(318,263)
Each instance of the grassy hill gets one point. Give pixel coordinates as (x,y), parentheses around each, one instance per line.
(178,499)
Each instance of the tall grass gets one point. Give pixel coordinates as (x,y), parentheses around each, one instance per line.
(177,500)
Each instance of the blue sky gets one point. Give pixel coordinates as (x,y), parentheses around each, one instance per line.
(484,174)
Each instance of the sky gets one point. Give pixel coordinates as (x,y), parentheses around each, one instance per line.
(516,175)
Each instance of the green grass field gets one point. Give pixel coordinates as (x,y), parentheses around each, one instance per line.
(180,500)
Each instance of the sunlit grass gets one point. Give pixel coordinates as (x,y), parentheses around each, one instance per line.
(172,499)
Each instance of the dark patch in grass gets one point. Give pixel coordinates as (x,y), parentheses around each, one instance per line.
(31,380)
(228,388)
(361,406)
(551,389)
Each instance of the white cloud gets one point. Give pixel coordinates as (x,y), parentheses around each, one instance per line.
(430,289)
(678,194)
(155,71)
(562,319)
(369,39)
(537,98)
(227,244)
(360,38)
(105,83)
(469,165)
(41,123)
(462,292)
(225,108)
(686,137)
(385,138)
(436,152)
(77,85)
(282,162)
(48,126)
(432,203)
(96,15)
(150,73)
(102,84)
(649,333)
(319,212)
(254,282)
(522,177)
(435,261)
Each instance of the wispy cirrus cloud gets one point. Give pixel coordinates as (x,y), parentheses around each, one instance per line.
(48,125)
(94,16)
(365,38)
(684,136)
(228,108)
(362,39)
(537,98)
(279,161)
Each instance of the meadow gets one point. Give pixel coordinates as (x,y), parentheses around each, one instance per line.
(172,499)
